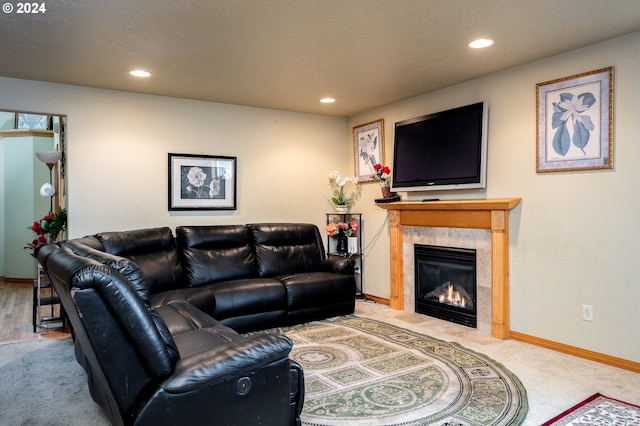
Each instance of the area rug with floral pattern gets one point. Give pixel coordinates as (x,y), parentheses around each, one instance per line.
(363,372)
(598,410)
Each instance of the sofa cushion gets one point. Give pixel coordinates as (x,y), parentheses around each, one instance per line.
(317,289)
(286,248)
(318,295)
(247,296)
(200,297)
(215,253)
(182,317)
(153,250)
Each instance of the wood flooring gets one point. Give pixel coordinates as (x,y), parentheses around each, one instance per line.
(16,311)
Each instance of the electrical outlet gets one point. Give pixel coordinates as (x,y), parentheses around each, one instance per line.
(587,312)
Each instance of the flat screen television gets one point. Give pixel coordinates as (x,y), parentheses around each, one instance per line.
(441,151)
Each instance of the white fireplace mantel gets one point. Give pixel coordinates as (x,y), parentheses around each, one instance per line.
(491,214)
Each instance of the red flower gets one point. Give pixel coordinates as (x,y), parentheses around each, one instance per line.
(37,228)
(381,173)
(380,169)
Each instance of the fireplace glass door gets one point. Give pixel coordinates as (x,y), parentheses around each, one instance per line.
(445,279)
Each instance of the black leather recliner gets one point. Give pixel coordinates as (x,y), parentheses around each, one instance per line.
(170,365)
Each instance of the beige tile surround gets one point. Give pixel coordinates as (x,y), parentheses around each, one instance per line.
(478,239)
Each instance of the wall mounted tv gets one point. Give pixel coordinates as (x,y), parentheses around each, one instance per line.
(441,151)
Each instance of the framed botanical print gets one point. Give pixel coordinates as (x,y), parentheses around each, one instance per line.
(575,122)
(202,182)
(368,145)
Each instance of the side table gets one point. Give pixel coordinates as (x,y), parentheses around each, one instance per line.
(354,247)
(45,295)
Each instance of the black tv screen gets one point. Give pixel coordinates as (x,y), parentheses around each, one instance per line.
(445,150)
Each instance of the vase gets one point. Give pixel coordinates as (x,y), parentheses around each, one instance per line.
(342,209)
(386,192)
(341,246)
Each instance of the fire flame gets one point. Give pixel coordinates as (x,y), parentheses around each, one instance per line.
(452,297)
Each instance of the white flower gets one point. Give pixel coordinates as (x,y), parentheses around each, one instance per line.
(196,176)
(334,176)
(340,180)
(214,188)
(574,107)
(338,183)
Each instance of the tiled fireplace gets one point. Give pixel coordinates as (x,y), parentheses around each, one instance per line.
(478,240)
(482,225)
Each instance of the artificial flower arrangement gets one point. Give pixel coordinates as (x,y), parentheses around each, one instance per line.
(47,229)
(342,229)
(381,174)
(341,197)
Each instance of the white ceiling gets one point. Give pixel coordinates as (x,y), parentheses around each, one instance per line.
(287,54)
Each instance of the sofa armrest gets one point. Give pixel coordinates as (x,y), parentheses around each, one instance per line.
(219,363)
(340,265)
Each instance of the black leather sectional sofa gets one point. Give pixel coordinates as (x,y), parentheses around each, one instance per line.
(156,318)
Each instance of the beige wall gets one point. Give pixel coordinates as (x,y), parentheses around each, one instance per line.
(117,156)
(575,237)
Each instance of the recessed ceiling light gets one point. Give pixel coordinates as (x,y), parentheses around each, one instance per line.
(140,73)
(327,100)
(480,43)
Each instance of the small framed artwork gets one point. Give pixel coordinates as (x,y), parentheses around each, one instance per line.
(202,182)
(575,122)
(368,145)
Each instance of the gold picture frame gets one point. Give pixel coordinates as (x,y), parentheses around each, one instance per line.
(574,118)
(368,148)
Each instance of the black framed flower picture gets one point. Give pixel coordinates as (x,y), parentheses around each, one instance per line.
(202,182)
